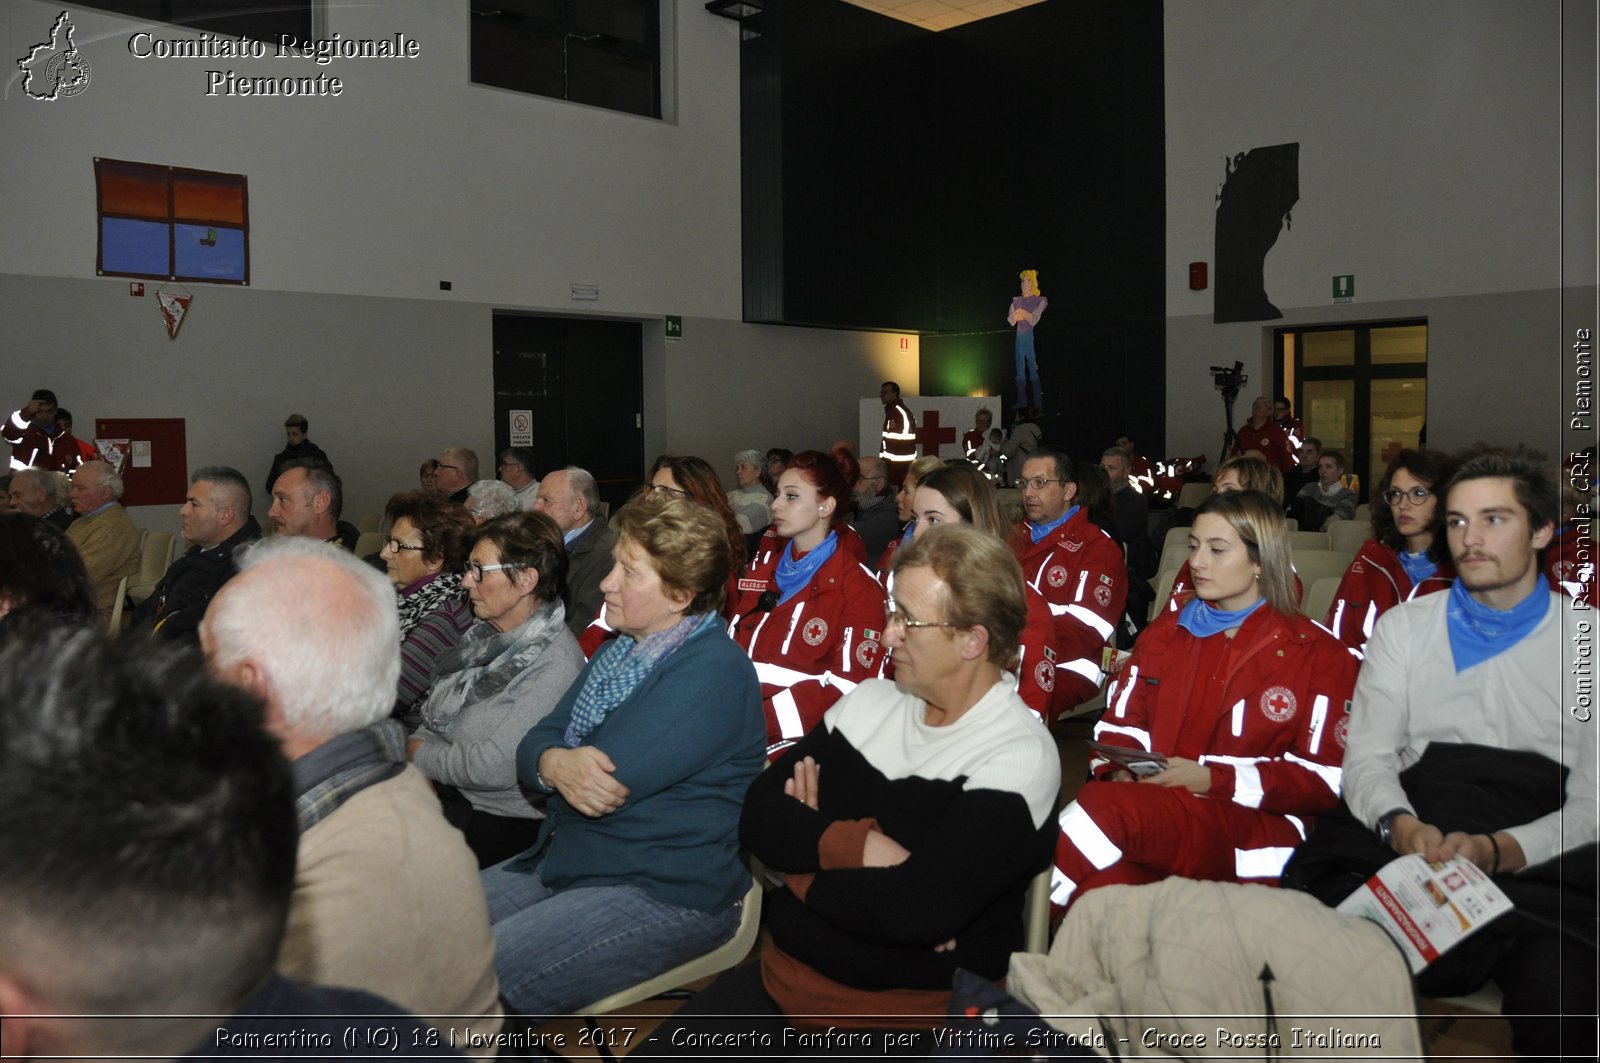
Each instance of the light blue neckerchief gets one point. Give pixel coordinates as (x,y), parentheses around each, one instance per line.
(1418,566)
(1039,531)
(1202,619)
(1478,632)
(792,576)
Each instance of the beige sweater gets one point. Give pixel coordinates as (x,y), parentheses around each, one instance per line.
(108,542)
(387,899)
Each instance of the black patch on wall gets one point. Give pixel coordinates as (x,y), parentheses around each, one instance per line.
(1253,206)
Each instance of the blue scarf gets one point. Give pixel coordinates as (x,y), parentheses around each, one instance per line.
(1202,619)
(1039,531)
(619,667)
(1478,632)
(792,576)
(1418,567)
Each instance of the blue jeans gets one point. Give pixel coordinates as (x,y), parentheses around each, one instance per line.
(1026,362)
(554,952)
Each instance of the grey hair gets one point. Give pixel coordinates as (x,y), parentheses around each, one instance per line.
(52,483)
(491,498)
(582,483)
(753,458)
(466,459)
(234,487)
(109,477)
(1120,453)
(323,627)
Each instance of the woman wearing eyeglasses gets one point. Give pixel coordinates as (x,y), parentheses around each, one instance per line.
(909,822)
(1400,561)
(960,494)
(505,675)
(808,612)
(427,545)
(1230,717)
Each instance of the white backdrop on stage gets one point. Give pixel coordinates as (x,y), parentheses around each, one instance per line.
(941,420)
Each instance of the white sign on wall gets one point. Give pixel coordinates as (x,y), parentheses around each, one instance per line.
(522,428)
(941,420)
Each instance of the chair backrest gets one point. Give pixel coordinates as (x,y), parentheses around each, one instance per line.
(1309,540)
(1319,597)
(1348,535)
(369,543)
(114,625)
(1163,591)
(370,522)
(1312,565)
(155,558)
(1036,914)
(1363,513)
(1193,494)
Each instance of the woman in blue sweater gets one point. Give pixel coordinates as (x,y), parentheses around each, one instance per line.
(646,760)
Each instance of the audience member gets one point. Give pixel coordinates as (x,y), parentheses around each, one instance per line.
(1318,503)
(1235,474)
(488,499)
(877,518)
(645,761)
(1132,512)
(1469,737)
(86,451)
(424,554)
(307,499)
(216,523)
(1403,559)
(809,614)
(909,823)
(778,460)
(1262,435)
(1074,566)
(1305,469)
(42,578)
(297,448)
(903,498)
(959,494)
(505,675)
(387,897)
(571,498)
(899,444)
(1094,495)
(428,475)
(104,535)
(40,493)
(1231,714)
(143,912)
(516,469)
(751,502)
(1283,416)
(36,440)
(458,468)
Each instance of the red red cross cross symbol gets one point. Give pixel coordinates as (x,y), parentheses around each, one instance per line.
(932,434)
(1279,702)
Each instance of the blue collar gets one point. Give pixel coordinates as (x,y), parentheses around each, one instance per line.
(792,576)
(1418,566)
(1478,632)
(1039,531)
(1202,619)
(570,536)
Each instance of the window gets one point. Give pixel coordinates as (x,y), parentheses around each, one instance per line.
(225,18)
(606,53)
(169,223)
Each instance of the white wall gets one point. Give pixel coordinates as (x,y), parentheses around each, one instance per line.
(360,205)
(1434,165)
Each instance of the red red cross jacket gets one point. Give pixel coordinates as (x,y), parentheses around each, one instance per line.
(34,449)
(1374,583)
(1270,440)
(1267,711)
(1569,562)
(1078,570)
(1183,589)
(813,649)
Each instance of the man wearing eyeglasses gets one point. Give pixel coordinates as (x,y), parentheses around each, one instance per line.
(458,470)
(876,519)
(1470,736)
(1077,568)
(516,470)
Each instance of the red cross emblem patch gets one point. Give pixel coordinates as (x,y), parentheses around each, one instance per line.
(1341,731)
(1057,576)
(1102,594)
(1278,704)
(815,631)
(1044,673)
(866,651)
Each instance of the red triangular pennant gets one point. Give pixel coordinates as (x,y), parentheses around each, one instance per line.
(173,308)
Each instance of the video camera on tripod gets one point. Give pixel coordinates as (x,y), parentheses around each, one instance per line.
(1228,382)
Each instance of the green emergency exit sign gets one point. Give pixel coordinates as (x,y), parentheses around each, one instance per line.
(1344,288)
(674,327)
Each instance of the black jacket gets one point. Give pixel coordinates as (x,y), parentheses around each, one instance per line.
(179,602)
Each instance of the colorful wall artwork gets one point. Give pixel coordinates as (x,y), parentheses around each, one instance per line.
(171,223)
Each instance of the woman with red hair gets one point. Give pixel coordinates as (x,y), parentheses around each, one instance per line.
(809,613)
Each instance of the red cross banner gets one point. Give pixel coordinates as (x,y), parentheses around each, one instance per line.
(941,420)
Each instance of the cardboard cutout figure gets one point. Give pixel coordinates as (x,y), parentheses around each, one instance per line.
(1026,310)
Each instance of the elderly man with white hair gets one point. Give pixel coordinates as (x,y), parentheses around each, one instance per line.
(39,493)
(751,502)
(488,499)
(105,536)
(387,896)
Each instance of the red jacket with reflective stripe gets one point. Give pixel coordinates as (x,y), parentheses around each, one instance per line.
(814,648)
(1374,583)
(1569,563)
(1078,570)
(1267,711)
(1271,440)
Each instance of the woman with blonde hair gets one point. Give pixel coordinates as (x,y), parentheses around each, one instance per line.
(903,499)
(1224,733)
(1244,473)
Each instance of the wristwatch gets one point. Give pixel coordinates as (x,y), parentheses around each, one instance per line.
(1386,825)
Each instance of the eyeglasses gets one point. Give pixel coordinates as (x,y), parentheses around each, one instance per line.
(442,465)
(476,570)
(893,617)
(668,489)
(1038,482)
(396,545)
(1418,495)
